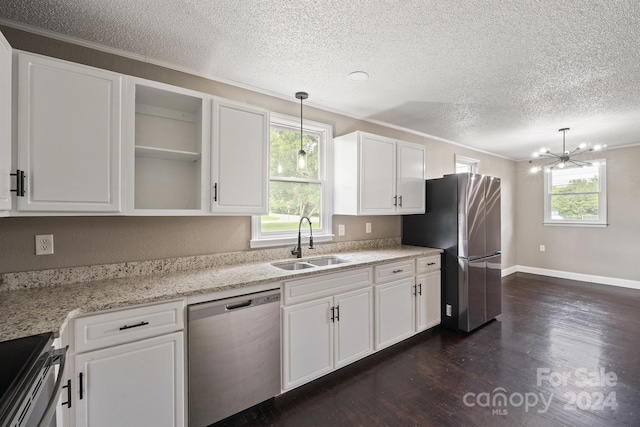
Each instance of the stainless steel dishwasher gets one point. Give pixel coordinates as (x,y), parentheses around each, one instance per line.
(234,355)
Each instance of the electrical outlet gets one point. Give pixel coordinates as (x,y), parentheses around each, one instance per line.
(448,309)
(44,244)
(341,230)
(368,227)
(542,248)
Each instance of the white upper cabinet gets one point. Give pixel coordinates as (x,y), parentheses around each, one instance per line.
(69,136)
(411,176)
(376,175)
(167,149)
(5,126)
(240,159)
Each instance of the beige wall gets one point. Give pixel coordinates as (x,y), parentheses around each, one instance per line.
(99,240)
(609,252)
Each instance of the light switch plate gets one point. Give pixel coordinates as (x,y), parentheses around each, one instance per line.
(44,244)
(368,227)
(340,229)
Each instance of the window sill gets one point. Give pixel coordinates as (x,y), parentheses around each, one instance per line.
(283,241)
(574,224)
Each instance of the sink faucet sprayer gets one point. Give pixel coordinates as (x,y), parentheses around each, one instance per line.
(297,251)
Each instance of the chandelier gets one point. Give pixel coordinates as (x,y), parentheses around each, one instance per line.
(565,158)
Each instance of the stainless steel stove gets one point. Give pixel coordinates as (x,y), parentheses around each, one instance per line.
(28,388)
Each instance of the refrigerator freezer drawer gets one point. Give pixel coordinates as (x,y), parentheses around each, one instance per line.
(479,291)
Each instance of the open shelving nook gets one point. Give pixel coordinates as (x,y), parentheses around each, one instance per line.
(168,149)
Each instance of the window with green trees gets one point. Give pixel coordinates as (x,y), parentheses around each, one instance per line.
(576,195)
(295,191)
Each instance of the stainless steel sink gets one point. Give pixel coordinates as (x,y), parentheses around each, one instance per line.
(329,260)
(293,265)
(309,263)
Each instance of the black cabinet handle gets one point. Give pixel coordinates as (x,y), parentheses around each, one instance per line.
(338,313)
(431,263)
(400,204)
(68,387)
(398,271)
(80,375)
(420,289)
(19,190)
(134,326)
(395,200)
(333,314)
(414,290)
(215,192)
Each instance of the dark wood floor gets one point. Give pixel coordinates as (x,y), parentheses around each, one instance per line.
(559,326)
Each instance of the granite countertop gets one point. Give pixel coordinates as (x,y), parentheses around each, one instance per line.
(48,309)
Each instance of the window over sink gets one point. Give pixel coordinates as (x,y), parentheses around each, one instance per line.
(295,192)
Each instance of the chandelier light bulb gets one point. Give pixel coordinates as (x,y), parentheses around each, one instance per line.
(582,145)
(547,170)
(536,154)
(302,161)
(535,169)
(561,165)
(597,147)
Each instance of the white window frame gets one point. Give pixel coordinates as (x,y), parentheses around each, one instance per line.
(602,201)
(473,164)
(261,239)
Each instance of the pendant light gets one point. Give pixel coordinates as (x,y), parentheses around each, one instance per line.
(302,155)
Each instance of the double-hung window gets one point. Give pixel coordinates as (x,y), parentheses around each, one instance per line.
(576,195)
(296,192)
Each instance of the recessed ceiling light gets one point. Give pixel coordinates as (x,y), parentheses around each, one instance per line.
(358,76)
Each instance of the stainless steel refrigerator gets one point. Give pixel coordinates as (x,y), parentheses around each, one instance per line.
(463,218)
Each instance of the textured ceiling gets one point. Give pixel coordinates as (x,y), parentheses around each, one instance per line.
(500,76)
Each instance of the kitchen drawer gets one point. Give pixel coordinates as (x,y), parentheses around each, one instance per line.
(320,286)
(111,328)
(427,264)
(394,270)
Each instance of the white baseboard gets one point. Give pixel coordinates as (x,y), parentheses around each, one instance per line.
(611,281)
(510,270)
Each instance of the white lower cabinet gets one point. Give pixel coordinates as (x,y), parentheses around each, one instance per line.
(127,368)
(427,300)
(395,312)
(353,326)
(325,334)
(307,341)
(334,319)
(137,384)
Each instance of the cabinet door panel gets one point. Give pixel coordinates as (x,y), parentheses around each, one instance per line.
(5,125)
(427,301)
(307,342)
(394,312)
(138,384)
(377,175)
(69,134)
(411,178)
(354,327)
(240,159)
